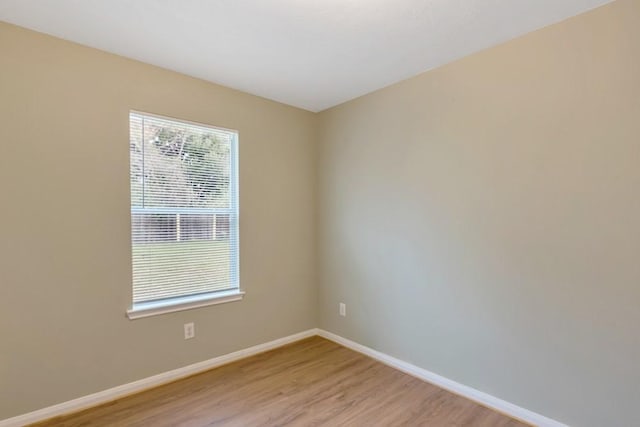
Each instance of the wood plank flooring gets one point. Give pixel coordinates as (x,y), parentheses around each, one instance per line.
(313,382)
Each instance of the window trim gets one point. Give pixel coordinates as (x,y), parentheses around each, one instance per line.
(172,305)
(188,302)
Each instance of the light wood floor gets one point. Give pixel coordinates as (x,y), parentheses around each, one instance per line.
(313,382)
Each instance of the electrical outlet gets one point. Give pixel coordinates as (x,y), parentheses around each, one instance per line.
(343,309)
(189,330)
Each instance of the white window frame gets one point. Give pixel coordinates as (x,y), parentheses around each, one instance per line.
(180,303)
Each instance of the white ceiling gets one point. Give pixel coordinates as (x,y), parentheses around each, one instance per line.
(312,54)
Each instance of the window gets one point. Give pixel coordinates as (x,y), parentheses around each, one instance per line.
(184,215)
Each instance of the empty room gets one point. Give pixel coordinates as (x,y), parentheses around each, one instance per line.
(320,213)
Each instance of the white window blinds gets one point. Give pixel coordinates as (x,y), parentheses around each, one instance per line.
(184,209)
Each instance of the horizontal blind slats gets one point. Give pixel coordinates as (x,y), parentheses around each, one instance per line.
(184,208)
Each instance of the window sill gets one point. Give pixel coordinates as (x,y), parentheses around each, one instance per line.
(182,303)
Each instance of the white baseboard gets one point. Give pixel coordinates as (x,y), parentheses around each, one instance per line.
(480,397)
(146,383)
(166,377)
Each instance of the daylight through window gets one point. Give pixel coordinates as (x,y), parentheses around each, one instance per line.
(184,210)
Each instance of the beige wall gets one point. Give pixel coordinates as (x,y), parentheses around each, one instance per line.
(482,220)
(65,267)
